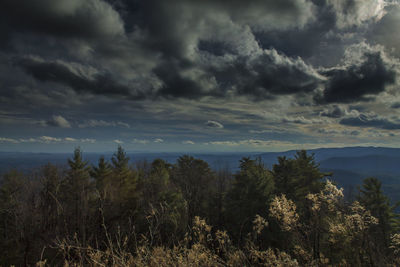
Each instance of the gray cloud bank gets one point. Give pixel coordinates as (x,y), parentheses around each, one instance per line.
(133,69)
(193,49)
(371,120)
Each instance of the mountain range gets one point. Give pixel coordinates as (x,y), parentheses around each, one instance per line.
(348,165)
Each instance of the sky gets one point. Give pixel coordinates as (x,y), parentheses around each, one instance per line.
(198,75)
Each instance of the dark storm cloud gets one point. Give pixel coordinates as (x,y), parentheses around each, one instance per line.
(174,84)
(184,31)
(175,33)
(385,31)
(351,13)
(266,75)
(277,74)
(211,29)
(371,120)
(179,23)
(198,48)
(286,12)
(309,41)
(358,82)
(260,76)
(90,19)
(323,40)
(59,73)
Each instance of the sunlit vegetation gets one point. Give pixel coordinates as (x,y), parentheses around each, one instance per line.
(185,214)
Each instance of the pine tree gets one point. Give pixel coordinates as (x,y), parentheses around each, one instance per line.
(102,175)
(50,206)
(124,183)
(298,177)
(194,177)
(162,203)
(251,192)
(122,174)
(77,191)
(372,198)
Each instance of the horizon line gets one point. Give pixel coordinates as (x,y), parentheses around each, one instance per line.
(198,152)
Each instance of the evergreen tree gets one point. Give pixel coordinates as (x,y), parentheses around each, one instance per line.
(251,192)
(124,184)
(158,185)
(102,175)
(194,179)
(50,206)
(372,198)
(77,191)
(222,185)
(284,177)
(164,202)
(122,173)
(298,177)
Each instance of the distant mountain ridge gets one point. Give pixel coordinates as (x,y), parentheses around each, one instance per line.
(379,159)
(326,153)
(369,164)
(349,165)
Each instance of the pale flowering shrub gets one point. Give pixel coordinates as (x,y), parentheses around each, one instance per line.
(332,195)
(338,233)
(237,258)
(316,202)
(201,230)
(272,258)
(360,219)
(328,198)
(395,246)
(350,230)
(259,223)
(223,242)
(284,211)
(302,254)
(199,255)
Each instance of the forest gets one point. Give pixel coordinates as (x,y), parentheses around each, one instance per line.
(126,213)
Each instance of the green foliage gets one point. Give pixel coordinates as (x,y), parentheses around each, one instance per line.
(11,187)
(120,162)
(11,196)
(158,183)
(372,197)
(50,207)
(124,179)
(162,203)
(194,178)
(222,185)
(298,177)
(102,175)
(249,195)
(122,194)
(77,190)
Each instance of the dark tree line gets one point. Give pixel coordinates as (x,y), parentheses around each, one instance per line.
(287,215)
